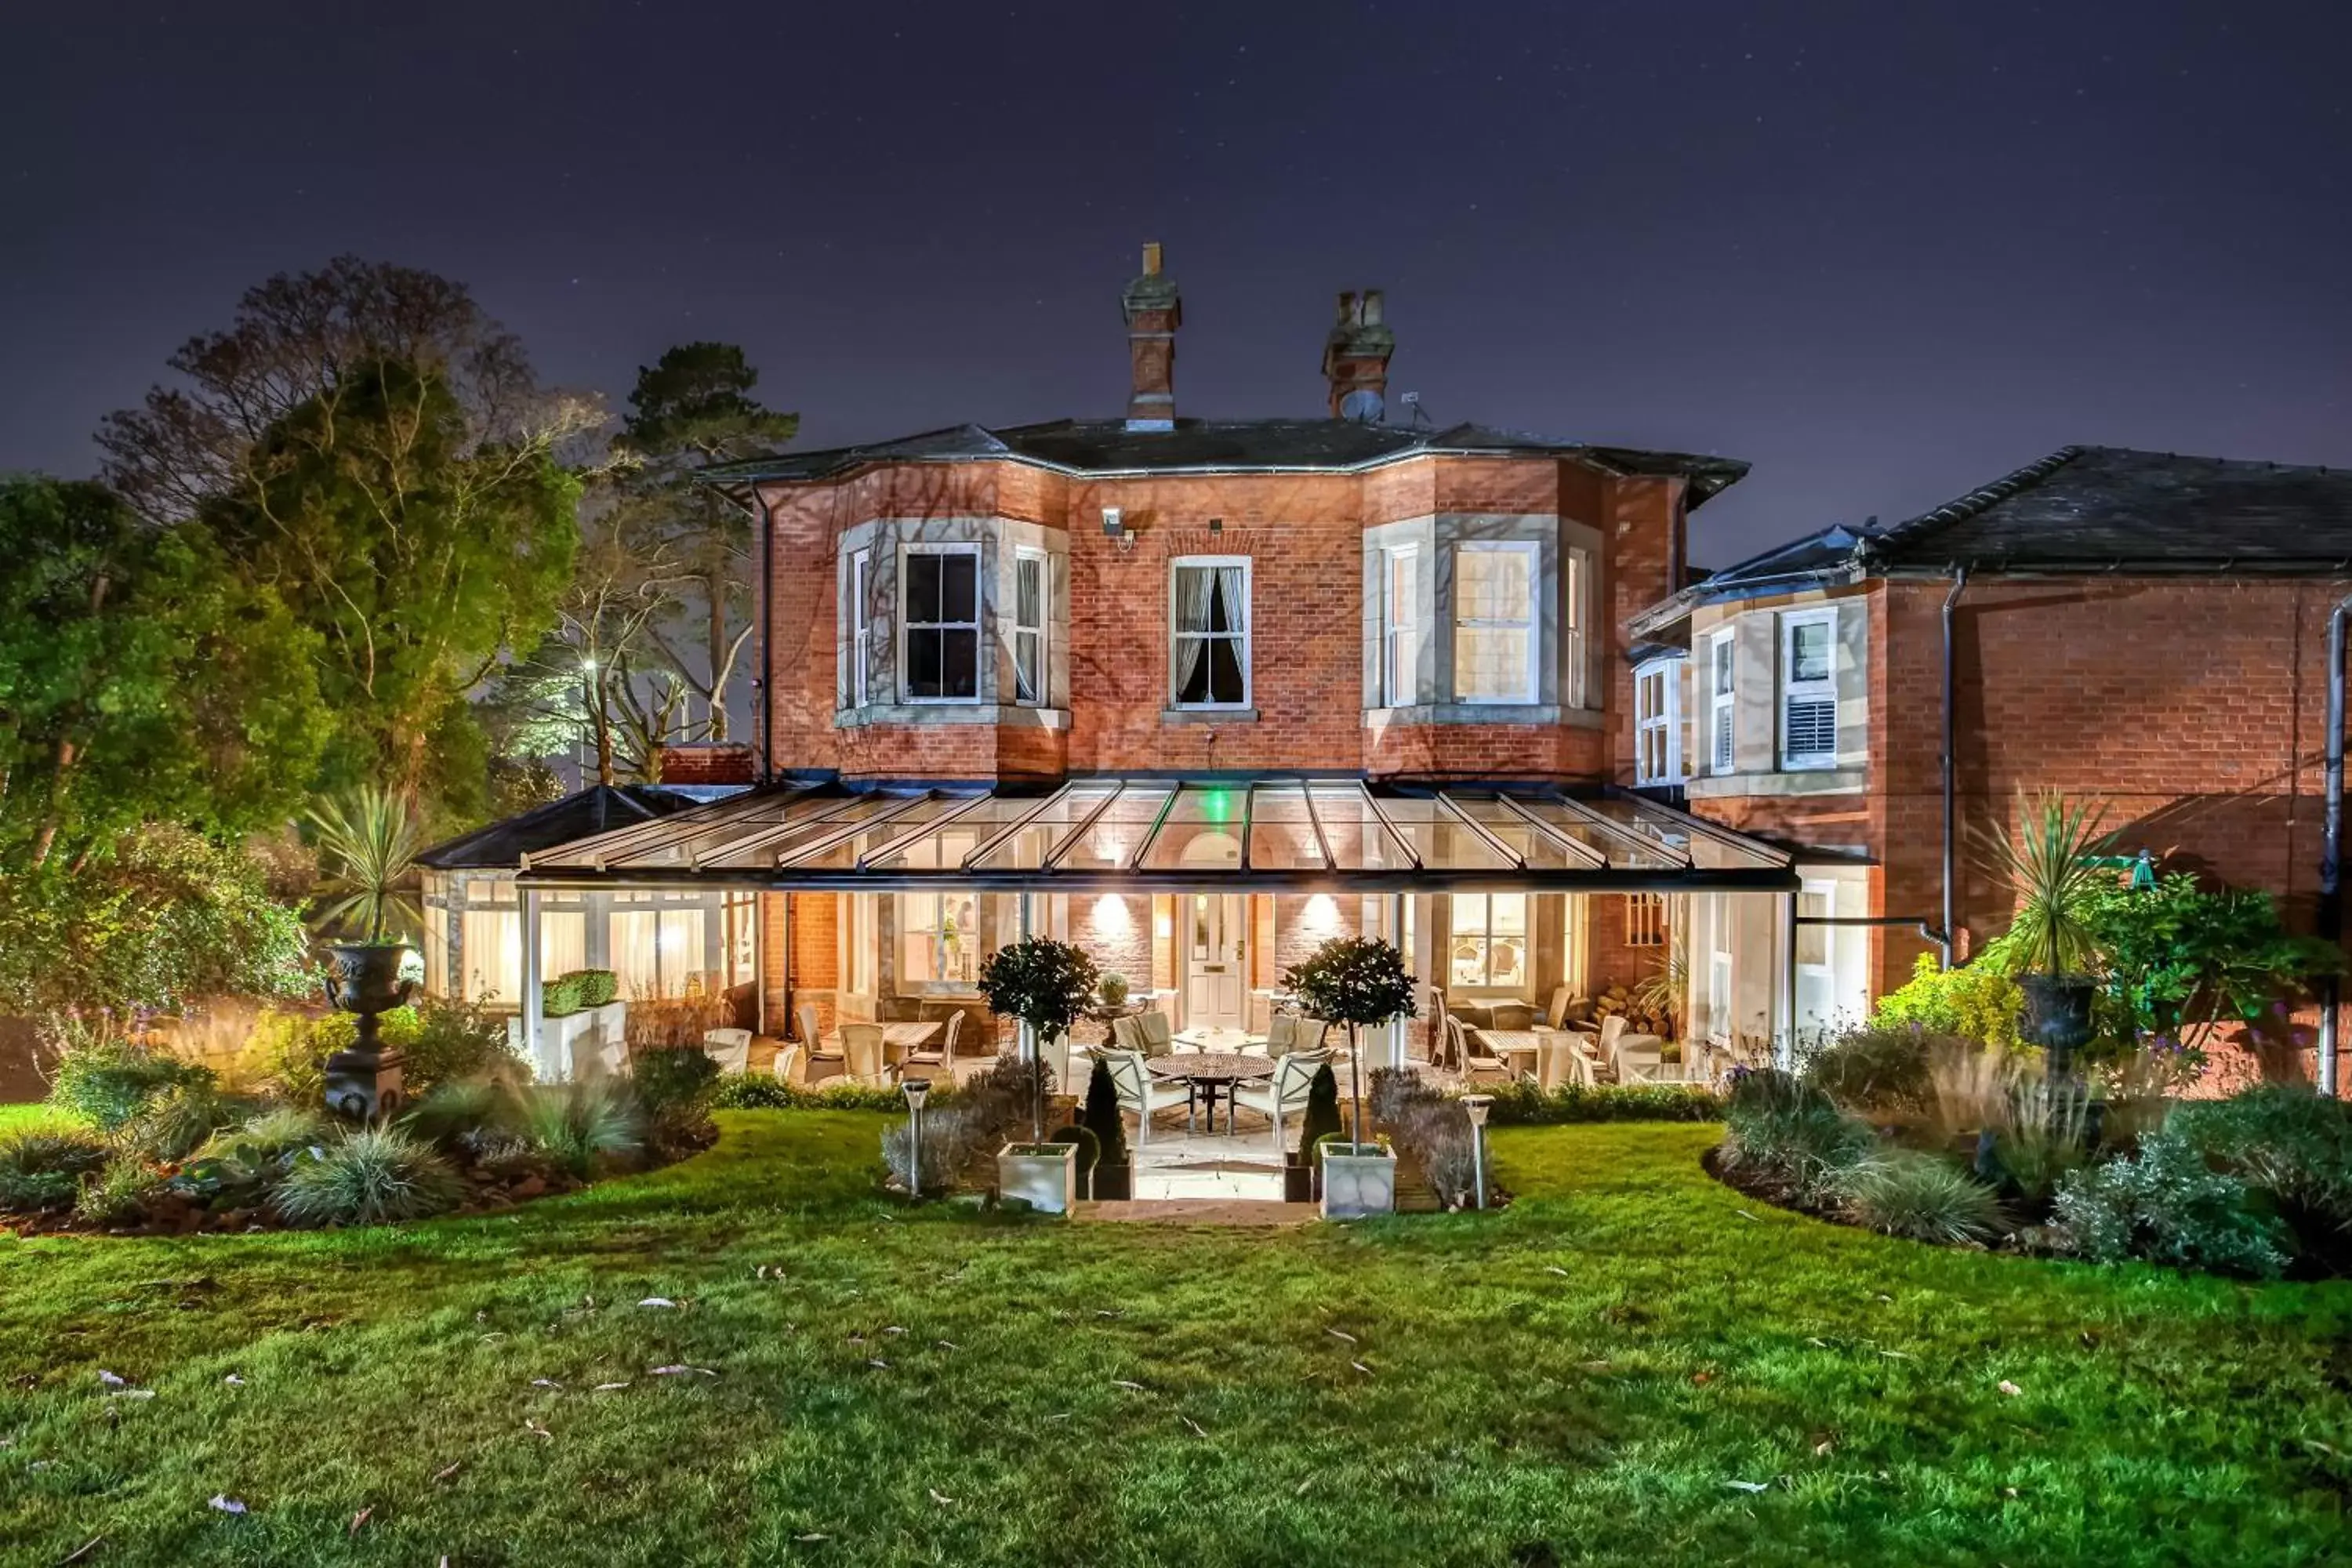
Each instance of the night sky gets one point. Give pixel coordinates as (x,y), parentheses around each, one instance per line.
(1885,251)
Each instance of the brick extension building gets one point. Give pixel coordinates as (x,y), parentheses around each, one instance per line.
(2141,627)
(1197,693)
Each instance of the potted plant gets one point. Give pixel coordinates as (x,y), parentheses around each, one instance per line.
(1046,985)
(1359,982)
(1320,1120)
(1113,989)
(1114,1178)
(371,839)
(2049,863)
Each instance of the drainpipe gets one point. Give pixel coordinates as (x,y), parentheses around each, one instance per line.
(2331,894)
(1950,766)
(760,639)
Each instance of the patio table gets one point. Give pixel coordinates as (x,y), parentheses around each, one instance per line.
(1207,1072)
(900,1039)
(1513,1044)
(1217,1039)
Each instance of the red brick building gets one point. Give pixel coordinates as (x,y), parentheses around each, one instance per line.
(1198,693)
(2142,628)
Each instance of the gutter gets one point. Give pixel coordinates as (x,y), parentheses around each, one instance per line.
(2331,892)
(1950,770)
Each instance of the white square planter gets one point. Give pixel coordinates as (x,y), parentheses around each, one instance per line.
(1358,1183)
(568,1047)
(1044,1174)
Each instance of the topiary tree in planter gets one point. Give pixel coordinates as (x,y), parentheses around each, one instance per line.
(1358,981)
(1100,1115)
(1046,985)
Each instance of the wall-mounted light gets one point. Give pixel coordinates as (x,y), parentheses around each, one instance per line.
(1320,917)
(1110,917)
(1115,528)
(1216,525)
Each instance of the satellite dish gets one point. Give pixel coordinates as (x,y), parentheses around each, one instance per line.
(1364,406)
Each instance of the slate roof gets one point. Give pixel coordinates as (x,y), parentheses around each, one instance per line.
(1107,445)
(596,809)
(2101,508)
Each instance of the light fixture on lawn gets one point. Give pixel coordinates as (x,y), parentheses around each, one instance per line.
(917,1089)
(1477,1106)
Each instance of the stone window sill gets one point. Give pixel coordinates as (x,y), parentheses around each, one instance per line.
(1487,714)
(1208,715)
(1000,713)
(1801,781)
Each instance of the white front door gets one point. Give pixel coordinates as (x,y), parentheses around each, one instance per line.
(1214,938)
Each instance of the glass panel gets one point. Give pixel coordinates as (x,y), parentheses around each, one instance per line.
(1282,836)
(1490,664)
(1026,849)
(939,938)
(847,854)
(490,949)
(1808,651)
(1202,831)
(750,819)
(778,846)
(1117,833)
(1618,851)
(1442,843)
(1704,850)
(923,587)
(1353,831)
(1540,852)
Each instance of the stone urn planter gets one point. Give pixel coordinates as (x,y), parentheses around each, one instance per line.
(1044,1175)
(363,979)
(1358,1181)
(2057,1015)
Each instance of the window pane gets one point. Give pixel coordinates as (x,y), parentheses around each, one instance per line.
(960,658)
(925,655)
(1028,594)
(1808,651)
(1404,579)
(1722,664)
(1492,584)
(1027,677)
(923,587)
(1195,599)
(1490,664)
(1223,666)
(958,587)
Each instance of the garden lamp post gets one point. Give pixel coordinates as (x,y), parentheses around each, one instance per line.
(917,1089)
(1477,1105)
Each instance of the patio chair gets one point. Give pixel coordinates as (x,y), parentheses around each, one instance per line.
(788,1061)
(1622,1051)
(1476,1058)
(1285,1092)
(1555,1017)
(1281,1035)
(943,1059)
(1510,1015)
(1157,1035)
(822,1063)
(731,1048)
(1140,1093)
(861,1045)
(1562,1061)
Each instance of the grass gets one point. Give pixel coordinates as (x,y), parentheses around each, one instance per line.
(1586,1377)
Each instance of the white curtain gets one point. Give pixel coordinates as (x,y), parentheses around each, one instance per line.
(1194,586)
(1229,593)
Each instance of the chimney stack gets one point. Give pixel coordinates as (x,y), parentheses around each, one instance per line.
(1356,359)
(1154,311)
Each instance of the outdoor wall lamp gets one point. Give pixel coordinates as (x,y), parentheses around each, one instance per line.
(917,1090)
(1477,1105)
(1115,528)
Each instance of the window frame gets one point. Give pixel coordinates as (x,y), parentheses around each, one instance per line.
(1522,986)
(1788,689)
(1041,686)
(1575,618)
(1530,684)
(861,626)
(1666,723)
(976,626)
(1244,639)
(1399,688)
(1723,689)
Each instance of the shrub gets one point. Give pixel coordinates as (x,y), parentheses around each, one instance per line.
(375,1176)
(274,1134)
(750,1092)
(598,987)
(1780,1128)
(1101,1117)
(2044,1135)
(118,1194)
(996,1101)
(1917,1195)
(1975,1002)
(1968,1088)
(42,1169)
(459,1115)
(1437,1133)
(1321,1119)
(176,1123)
(574,1125)
(1874,1069)
(105,1078)
(677,1077)
(236,1168)
(2165,1205)
(564,995)
(947,1146)
(2285,1140)
(442,1041)
(1392,1092)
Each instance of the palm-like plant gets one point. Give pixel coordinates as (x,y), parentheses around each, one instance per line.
(371,838)
(1661,992)
(2049,862)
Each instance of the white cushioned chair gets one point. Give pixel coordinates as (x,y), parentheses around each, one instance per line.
(1285,1094)
(1139,1093)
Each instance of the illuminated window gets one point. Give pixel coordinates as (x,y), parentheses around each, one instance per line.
(939,939)
(1657,733)
(1495,621)
(1488,946)
(1719,664)
(1645,920)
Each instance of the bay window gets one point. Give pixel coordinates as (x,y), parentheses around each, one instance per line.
(1657,730)
(1209,655)
(1029,601)
(1494,640)
(1399,626)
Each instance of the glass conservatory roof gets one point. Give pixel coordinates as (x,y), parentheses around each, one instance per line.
(1268,835)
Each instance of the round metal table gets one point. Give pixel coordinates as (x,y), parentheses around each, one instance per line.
(1208,1072)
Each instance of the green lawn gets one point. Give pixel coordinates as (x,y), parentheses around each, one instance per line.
(1583,1378)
